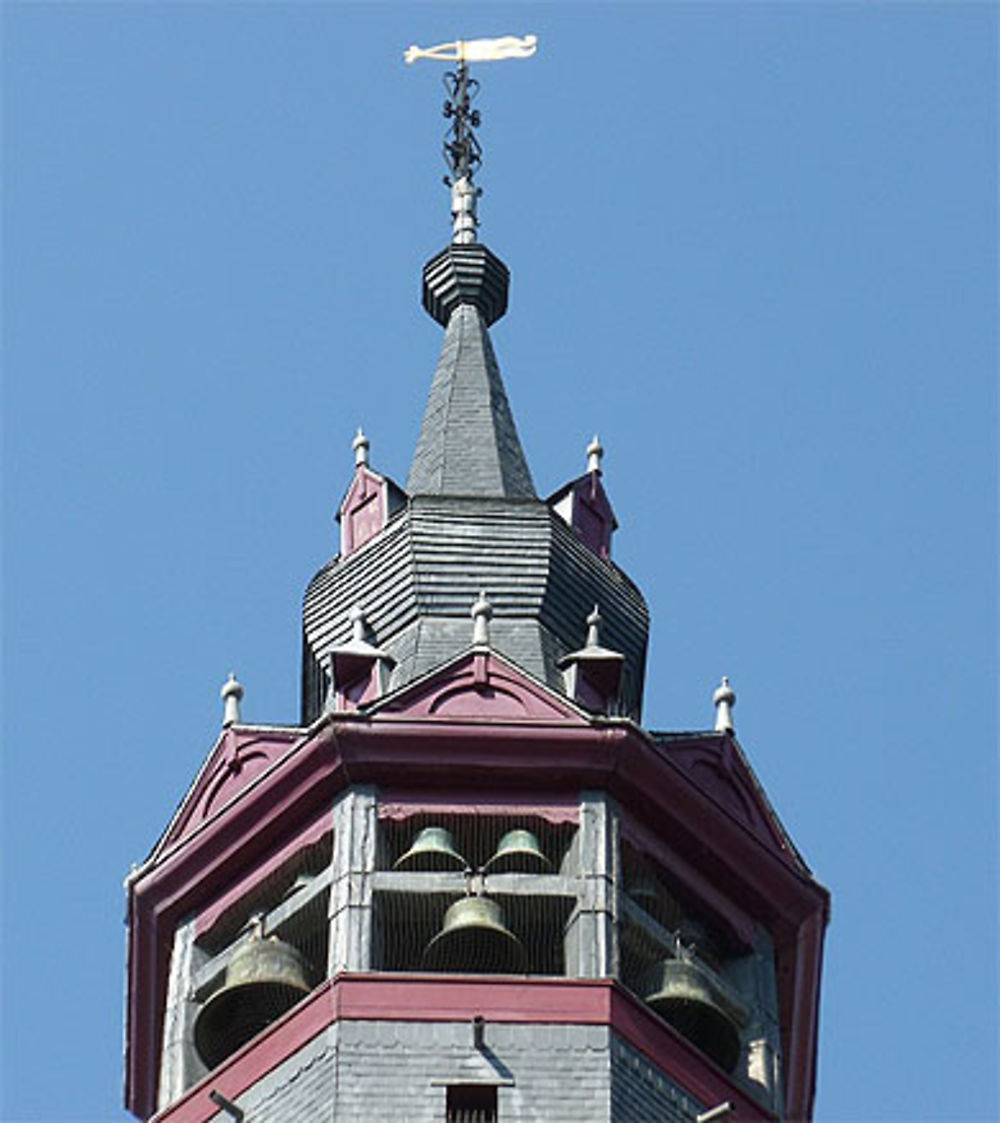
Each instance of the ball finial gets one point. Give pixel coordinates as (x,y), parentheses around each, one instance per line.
(360,444)
(595,453)
(356,616)
(593,628)
(724,699)
(231,694)
(482,610)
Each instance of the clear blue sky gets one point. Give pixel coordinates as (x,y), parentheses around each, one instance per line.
(753,245)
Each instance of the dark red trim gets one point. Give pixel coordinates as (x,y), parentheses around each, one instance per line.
(416,998)
(449,755)
(320,825)
(801,1050)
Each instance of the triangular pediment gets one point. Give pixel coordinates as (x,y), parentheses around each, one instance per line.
(480,685)
(716,764)
(238,757)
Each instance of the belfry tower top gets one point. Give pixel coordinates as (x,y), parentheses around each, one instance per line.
(469,518)
(469,869)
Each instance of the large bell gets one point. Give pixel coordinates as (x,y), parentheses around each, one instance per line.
(518,852)
(474,939)
(683,994)
(432,849)
(264,978)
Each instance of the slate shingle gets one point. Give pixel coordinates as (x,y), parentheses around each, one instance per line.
(468,442)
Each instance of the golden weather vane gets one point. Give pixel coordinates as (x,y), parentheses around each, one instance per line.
(477,50)
(462,151)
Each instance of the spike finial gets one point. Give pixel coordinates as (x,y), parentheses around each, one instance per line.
(593,628)
(231,694)
(482,610)
(361,445)
(462,151)
(724,699)
(595,453)
(356,615)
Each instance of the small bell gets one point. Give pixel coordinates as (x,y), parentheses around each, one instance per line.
(432,849)
(265,977)
(683,995)
(474,939)
(518,852)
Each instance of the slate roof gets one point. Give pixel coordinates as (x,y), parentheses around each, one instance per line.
(418,579)
(472,522)
(468,442)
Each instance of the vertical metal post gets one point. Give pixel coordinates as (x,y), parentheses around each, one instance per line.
(591,941)
(350,912)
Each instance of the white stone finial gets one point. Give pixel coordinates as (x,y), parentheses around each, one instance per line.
(361,445)
(356,615)
(724,699)
(593,628)
(464,222)
(595,451)
(482,610)
(231,694)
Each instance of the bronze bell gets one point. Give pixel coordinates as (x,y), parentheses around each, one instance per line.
(474,939)
(432,849)
(264,978)
(682,993)
(518,852)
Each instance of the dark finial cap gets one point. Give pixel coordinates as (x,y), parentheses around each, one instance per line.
(466,274)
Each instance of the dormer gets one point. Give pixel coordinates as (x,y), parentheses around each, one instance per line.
(359,671)
(593,674)
(584,506)
(370,502)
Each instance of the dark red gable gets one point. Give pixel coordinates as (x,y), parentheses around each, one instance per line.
(584,506)
(368,505)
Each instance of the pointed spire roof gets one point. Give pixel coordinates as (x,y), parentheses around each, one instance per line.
(468,442)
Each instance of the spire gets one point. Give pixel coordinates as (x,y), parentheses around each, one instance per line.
(468,442)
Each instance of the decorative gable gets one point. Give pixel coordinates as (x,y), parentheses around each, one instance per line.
(368,505)
(481,685)
(718,767)
(238,757)
(584,506)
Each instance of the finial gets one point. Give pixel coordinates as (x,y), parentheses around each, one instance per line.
(360,444)
(595,452)
(231,694)
(462,151)
(593,626)
(356,615)
(482,610)
(724,699)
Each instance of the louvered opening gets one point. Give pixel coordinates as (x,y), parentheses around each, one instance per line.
(471,1103)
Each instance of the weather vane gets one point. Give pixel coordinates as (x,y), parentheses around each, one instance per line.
(462,151)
